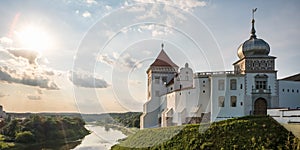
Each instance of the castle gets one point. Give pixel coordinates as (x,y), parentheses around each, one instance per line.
(177,97)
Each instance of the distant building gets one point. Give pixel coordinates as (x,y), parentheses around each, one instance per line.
(177,97)
(2,113)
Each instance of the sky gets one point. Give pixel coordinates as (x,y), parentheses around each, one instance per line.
(91,56)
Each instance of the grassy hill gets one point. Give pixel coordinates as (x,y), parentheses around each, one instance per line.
(240,133)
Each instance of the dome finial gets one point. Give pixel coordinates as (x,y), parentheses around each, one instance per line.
(253,21)
(162,46)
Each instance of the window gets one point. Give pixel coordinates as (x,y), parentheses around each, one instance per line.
(221,101)
(203,81)
(282,90)
(297,91)
(241,86)
(221,85)
(156,80)
(164,79)
(203,91)
(241,103)
(233,84)
(180,86)
(233,101)
(293,90)
(156,93)
(261,84)
(288,90)
(261,81)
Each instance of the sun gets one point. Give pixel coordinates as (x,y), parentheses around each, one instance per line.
(34,38)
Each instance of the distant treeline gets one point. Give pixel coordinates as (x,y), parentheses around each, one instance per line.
(128,119)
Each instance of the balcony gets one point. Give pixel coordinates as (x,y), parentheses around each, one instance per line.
(261,91)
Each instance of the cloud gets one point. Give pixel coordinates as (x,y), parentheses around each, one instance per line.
(5,41)
(91,2)
(87,80)
(39,91)
(15,67)
(124,61)
(27,77)
(34,97)
(3,95)
(127,61)
(104,58)
(108,7)
(156,30)
(86,14)
(30,55)
(187,5)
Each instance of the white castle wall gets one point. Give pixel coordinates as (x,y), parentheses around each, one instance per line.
(285,115)
(289,94)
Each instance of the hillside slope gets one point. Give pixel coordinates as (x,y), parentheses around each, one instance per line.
(240,133)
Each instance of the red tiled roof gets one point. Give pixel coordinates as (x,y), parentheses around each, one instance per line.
(163,60)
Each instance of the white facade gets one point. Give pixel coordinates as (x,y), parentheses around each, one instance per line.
(289,94)
(177,97)
(285,115)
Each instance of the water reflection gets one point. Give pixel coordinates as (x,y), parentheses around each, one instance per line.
(99,139)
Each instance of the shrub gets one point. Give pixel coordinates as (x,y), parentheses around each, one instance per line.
(25,137)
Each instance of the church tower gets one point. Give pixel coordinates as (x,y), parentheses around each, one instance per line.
(160,72)
(258,67)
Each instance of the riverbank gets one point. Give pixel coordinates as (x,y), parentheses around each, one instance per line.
(40,132)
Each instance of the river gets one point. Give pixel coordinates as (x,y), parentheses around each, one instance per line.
(99,139)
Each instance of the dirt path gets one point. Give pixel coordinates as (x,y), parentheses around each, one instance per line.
(294,128)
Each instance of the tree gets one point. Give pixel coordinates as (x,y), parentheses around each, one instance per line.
(25,137)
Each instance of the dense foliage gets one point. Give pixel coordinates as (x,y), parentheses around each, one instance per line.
(241,133)
(128,119)
(38,129)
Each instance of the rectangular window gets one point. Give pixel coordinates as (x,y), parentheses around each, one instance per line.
(221,101)
(261,84)
(156,80)
(221,85)
(164,80)
(233,101)
(233,84)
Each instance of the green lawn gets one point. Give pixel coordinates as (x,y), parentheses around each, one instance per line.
(240,133)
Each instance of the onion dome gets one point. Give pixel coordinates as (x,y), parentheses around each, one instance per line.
(254,46)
